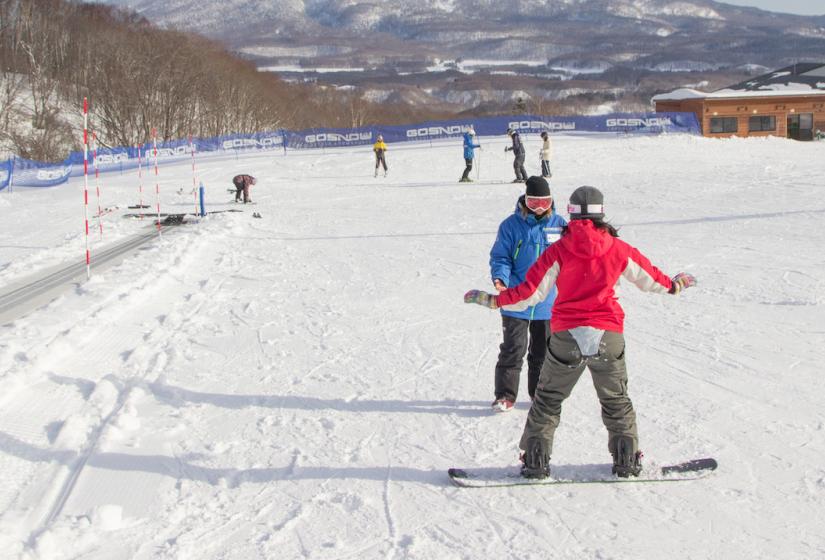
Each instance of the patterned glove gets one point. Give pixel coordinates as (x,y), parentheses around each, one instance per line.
(682,281)
(481,298)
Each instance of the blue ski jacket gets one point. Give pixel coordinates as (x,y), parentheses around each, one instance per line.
(521,239)
(469,146)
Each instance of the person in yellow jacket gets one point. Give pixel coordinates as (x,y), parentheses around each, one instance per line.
(380,149)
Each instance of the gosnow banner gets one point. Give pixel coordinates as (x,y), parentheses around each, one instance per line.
(28,173)
(624,123)
(119,159)
(35,174)
(5,173)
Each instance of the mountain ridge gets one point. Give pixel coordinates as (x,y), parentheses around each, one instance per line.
(612,43)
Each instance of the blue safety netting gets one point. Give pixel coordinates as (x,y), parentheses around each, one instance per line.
(21,172)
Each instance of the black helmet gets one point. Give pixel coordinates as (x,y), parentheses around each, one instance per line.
(585,203)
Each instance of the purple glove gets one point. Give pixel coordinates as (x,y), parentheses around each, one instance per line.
(682,281)
(481,298)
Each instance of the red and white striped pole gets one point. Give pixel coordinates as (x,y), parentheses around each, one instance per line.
(140,178)
(86,182)
(157,181)
(194,180)
(97,183)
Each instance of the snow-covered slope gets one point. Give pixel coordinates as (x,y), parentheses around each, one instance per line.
(296,386)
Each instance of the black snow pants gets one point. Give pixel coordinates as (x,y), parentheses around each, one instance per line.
(380,160)
(520,336)
(467,169)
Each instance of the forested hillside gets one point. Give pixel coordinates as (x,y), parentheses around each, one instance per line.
(138,77)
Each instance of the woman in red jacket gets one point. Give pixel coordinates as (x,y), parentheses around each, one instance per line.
(585,266)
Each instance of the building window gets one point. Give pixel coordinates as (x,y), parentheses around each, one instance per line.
(760,124)
(724,124)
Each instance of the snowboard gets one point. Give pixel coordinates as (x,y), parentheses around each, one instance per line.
(107,210)
(502,477)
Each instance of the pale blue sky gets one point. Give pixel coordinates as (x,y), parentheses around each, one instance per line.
(803,7)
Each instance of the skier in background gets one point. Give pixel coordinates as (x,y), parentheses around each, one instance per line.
(521,238)
(546,153)
(242,184)
(518,151)
(587,324)
(380,148)
(470,146)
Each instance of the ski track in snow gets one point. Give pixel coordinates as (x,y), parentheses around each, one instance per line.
(297,386)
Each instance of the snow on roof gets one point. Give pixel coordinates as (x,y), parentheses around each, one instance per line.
(680,94)
(799,79)
(775,91)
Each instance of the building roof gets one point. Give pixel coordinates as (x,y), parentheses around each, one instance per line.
(805,78)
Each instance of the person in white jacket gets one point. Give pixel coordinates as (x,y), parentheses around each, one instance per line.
(545,153)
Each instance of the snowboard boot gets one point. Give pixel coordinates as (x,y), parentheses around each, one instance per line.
(627,460)
(535,461)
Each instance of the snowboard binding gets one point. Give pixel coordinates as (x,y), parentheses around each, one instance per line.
(627,460)
(535,461)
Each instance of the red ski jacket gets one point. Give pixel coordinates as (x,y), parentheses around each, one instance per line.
(585,265)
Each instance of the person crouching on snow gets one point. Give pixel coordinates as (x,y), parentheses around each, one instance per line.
(585,266)
(242,184)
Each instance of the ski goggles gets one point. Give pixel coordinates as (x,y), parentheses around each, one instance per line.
(538,203)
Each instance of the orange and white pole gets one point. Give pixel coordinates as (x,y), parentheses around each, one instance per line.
(86,183)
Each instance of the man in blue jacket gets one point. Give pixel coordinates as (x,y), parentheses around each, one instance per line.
(521,239)
(470,146)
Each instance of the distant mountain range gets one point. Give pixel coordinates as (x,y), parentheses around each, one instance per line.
(514,48)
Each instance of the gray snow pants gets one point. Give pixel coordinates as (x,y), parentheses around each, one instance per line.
(562,369)
(518,167)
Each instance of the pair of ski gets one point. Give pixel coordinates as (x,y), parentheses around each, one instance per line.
(501,477)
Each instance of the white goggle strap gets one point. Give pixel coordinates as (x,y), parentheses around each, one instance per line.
(585,209)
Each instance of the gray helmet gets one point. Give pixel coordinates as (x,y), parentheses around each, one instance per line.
(586,203)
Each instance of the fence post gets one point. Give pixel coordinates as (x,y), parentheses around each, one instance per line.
(11,174)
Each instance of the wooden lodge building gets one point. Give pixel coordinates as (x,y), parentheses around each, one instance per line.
(789,102)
